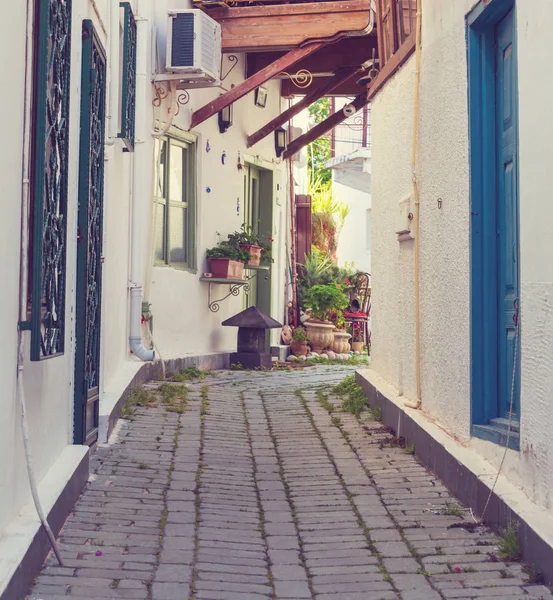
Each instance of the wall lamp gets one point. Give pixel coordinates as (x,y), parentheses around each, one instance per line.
(280,141)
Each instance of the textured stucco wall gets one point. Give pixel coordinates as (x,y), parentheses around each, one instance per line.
(443,172)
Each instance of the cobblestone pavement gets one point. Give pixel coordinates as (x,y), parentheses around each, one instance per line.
(250,489)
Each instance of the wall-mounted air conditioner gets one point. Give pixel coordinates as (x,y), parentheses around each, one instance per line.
(193,45)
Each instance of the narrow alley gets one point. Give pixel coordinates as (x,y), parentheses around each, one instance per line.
(252,485)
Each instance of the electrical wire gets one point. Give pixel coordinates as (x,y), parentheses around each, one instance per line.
(510,420)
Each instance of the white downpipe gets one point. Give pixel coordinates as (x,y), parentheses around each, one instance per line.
(20,392)
(138,191)
(114,72)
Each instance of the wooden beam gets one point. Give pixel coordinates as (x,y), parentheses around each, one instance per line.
(213,107)
(321,90)
(393,64)
(324,127)
(285,26)
(347,52)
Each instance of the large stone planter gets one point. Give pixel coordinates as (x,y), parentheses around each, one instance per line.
(320,335)
(341,342)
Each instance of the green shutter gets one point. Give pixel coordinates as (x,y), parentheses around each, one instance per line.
(128,78)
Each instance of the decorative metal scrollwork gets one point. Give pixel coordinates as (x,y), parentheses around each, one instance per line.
(51,145)
(162,89)
(302,78)
(232,58)
(183,98)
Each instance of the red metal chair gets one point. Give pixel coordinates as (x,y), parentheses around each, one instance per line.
(359,310)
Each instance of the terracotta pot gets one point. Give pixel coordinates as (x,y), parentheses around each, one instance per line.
(255,253)
(357,346)
(299,348)
(341,342)
(320,335)
(225,268)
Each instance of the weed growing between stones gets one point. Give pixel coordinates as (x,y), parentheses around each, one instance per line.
(191,373)
(324,401)
(509,545)
(453,510)
(138,397)
(174,397)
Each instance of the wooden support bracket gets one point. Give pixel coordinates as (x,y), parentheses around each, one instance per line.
(248,85)
(329,123)
(318,92)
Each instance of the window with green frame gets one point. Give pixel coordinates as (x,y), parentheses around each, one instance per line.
(175,199)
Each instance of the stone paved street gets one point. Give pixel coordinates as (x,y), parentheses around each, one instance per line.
(246,487)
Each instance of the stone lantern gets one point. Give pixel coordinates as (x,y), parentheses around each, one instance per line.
(252,325)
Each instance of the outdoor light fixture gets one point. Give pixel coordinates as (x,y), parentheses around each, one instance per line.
(225,118)
(280,141)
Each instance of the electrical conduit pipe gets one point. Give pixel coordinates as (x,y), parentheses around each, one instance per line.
(418,402)
(138,199)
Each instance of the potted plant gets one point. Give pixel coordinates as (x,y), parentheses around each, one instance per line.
(357,342)
(226,261)
(323,301)
(340,344)
(299,343)
(247,239)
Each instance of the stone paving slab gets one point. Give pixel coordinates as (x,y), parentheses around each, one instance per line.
(249,489)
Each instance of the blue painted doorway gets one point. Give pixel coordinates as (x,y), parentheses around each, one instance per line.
(495,372)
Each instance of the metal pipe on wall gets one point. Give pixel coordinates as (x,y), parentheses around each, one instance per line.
(418,402)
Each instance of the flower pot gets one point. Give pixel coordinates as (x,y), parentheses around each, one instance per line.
(255,253)
(225,268)
(320,335)
(340,344)
(299,348)
(357,346)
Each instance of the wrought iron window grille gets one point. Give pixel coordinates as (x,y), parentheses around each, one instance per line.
(50,178)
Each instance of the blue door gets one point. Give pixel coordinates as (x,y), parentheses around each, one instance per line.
(507,214)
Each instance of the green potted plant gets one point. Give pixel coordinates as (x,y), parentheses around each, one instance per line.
(299,344)
(226,261)
(323,301)
(250,241)
(357,342)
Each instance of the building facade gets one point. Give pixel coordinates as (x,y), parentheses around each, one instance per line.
(482,130)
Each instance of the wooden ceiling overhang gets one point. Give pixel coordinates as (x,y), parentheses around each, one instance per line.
(330,40)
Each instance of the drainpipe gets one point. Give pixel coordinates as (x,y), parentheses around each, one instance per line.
(418,402)
(135,284)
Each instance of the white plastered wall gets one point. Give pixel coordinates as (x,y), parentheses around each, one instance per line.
(443,173)
(49,383)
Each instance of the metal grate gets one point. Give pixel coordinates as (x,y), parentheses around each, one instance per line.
(89,252)
(128,78)
(50,178)
(182,47)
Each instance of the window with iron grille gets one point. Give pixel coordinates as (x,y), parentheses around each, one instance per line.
(128,91)
(51,93)
(175,203)
(395,23)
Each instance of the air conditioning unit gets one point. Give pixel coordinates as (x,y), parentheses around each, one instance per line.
(193,45)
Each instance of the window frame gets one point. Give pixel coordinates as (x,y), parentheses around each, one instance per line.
(188,142)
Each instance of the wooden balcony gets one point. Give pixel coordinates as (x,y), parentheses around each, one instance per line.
(271,25)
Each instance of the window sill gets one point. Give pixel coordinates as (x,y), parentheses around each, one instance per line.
(496,432)
(393,65)
(190,270)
